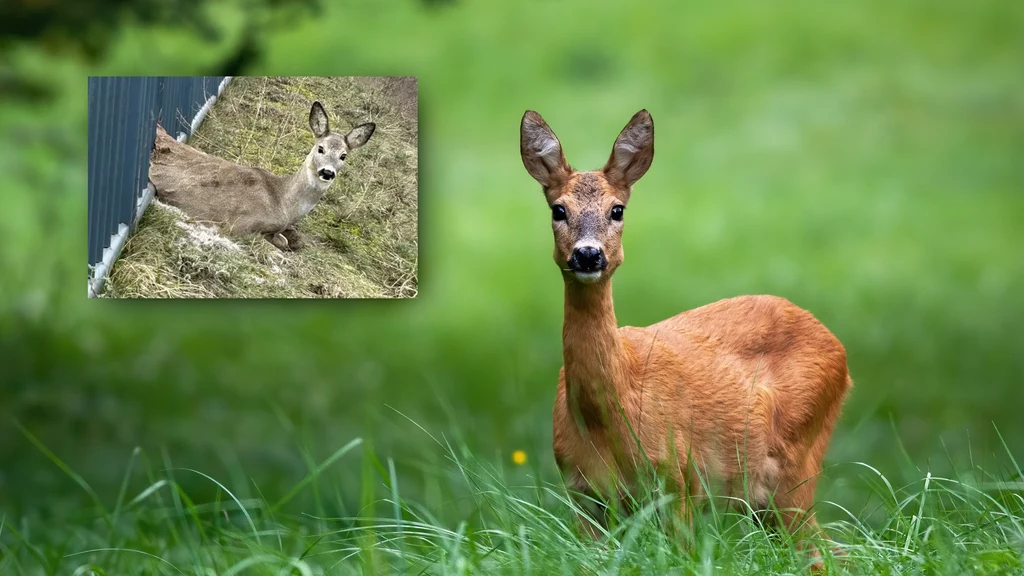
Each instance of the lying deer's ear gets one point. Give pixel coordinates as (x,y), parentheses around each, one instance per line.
(541,151)
(360,135)
(318,120)
(633,151)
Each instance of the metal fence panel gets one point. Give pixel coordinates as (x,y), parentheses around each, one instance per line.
(123,112)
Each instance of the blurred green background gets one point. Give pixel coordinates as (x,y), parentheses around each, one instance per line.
(863,159)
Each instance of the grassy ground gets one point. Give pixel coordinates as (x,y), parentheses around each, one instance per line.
(362,235)
(479,518)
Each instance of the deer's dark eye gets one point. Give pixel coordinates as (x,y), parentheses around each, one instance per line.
(558,213)
(320,149)
(343,156)
(617,212)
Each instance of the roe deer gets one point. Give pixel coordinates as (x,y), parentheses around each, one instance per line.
(244,199)
(744,391)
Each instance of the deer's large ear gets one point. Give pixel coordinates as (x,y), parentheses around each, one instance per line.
(318,120)
(633,151)
(360,135)
(541,151)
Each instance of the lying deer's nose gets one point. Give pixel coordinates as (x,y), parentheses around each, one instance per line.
(587,259)
(327,173)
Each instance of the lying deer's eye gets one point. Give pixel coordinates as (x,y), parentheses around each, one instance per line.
(617,212)
(320,149)
(558,213)
(343,156)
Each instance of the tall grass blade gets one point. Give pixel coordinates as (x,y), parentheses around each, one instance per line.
(241,507)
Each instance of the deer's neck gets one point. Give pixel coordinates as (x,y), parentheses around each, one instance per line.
(303,190)
(596,364)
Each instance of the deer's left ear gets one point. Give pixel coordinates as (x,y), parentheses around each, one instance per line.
(633,151)
(318,120)
(360,135)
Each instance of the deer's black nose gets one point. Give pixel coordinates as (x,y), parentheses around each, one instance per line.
(327,174)
(587,259)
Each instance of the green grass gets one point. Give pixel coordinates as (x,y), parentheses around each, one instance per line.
(486,517)
(361,238)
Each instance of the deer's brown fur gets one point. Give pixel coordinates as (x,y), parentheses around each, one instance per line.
(746,389)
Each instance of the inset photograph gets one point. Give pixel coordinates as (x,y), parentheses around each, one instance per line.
(253,187)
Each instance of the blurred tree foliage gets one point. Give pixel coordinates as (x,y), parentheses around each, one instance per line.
(86,28)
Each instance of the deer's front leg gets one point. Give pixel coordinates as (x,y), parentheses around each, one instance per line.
(590,509)
(591,513)
(690,496)
(684,526)
(278,240)
(291,234)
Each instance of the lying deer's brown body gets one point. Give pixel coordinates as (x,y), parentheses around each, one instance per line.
(746,389)
(245,199)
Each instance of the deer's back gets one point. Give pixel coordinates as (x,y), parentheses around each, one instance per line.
(213,189)
(764,339)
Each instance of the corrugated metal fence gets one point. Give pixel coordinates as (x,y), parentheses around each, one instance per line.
(123,112)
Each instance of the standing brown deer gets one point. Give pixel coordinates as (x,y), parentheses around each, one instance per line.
(744,392)
(244,199)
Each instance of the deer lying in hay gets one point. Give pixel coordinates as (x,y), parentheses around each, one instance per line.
(244,199)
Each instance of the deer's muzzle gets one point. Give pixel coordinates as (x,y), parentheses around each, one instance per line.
(587,259)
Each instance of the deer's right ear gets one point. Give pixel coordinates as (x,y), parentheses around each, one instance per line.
(318,120)
(541,151)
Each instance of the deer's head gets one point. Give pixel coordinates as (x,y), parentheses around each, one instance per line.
(331,149)
(587,208)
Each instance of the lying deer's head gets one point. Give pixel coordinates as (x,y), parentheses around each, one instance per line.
(587,207)
(330,149)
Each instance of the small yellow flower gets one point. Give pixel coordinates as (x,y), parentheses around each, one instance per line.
(519,457)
